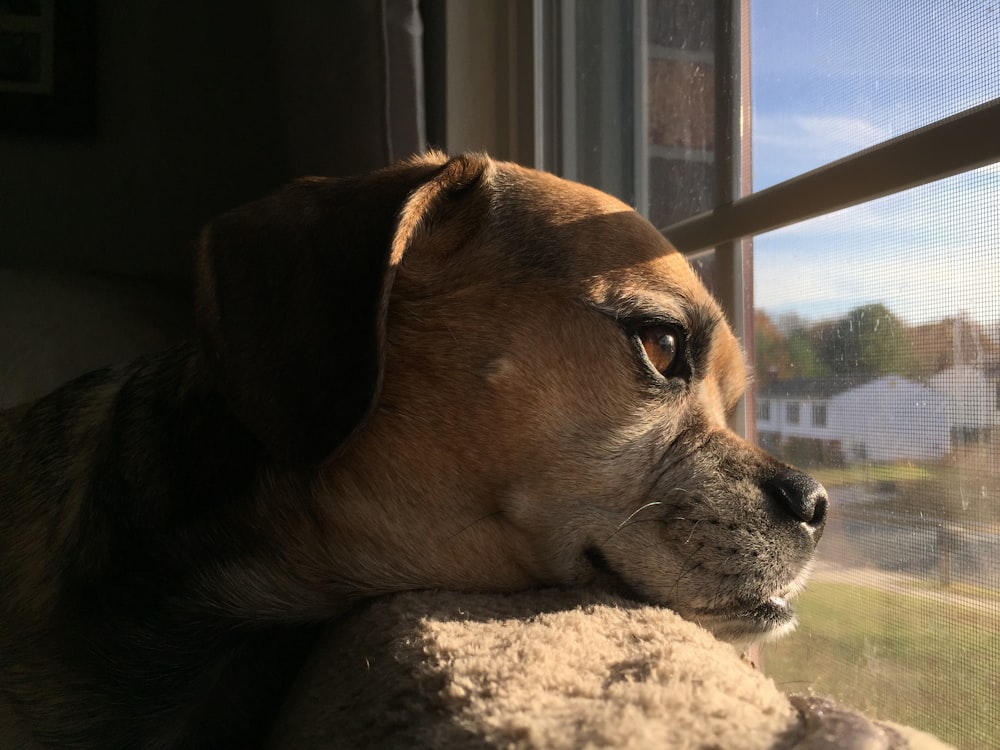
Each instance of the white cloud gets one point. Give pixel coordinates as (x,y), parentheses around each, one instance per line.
(800,132)
(786,145)
(928,253)
(919,286)
(824,90)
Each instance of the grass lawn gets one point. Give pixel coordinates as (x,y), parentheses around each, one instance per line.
(905,658)
(835,476)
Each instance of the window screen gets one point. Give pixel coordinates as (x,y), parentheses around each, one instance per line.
(886,316)
(831,77)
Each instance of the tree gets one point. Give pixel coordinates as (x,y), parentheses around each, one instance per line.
(802,352)
(771,349)
(869,340)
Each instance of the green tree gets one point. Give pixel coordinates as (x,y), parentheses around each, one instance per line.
(869,340)
(802,351)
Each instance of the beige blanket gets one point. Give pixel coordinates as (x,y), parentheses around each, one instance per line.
(554,670)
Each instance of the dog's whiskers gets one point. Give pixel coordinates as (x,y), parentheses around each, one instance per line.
(686,541)
(636,512)
(667,542)
(629,520)
(632,521)
(686,571)
(685,490)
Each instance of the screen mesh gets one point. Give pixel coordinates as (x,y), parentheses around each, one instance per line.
(832,78)
(886,346)
(877,340)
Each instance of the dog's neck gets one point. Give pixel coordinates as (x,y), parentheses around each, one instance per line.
(428,534)
(304,542)
(317,538)
(358,533)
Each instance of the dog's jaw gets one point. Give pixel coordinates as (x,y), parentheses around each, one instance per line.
(740,618)
(758,622)
(696,533)
(764,617)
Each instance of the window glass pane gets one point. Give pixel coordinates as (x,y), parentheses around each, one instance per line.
(598,96)
(832,78)
(680,99)
(885,318)
(792,412)
(635,100)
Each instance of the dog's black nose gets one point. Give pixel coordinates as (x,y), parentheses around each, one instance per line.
(800,496)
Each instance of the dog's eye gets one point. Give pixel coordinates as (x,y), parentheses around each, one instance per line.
(662,345)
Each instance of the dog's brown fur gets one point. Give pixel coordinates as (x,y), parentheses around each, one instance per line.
(424,377)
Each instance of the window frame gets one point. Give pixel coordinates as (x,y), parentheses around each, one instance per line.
(934,152)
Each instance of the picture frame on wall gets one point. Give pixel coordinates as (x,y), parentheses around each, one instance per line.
(48,67)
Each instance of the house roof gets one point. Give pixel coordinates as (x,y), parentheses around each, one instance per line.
(946,343)
(811,387)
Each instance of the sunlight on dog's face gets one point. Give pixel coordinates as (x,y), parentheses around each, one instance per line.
(563,375)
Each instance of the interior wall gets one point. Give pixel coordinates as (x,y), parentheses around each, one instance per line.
(204,106)
(489,78)
(186,128)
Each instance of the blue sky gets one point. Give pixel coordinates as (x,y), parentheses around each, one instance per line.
(831,78)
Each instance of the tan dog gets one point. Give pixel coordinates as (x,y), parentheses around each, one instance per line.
(459,374)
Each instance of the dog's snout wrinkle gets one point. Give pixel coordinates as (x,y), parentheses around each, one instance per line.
(800,496)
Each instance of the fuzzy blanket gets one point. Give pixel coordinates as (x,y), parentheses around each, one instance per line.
(554,670)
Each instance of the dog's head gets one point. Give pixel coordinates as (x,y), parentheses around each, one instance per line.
(495,379)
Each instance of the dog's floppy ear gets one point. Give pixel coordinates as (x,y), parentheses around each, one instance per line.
(292,293)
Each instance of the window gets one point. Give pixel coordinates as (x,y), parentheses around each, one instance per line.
(792,412)
(764,410)
(923,457)
(896,291)
(872,227)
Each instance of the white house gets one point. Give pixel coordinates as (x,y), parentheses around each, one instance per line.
(799,409)
(974,403)
(891,419)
